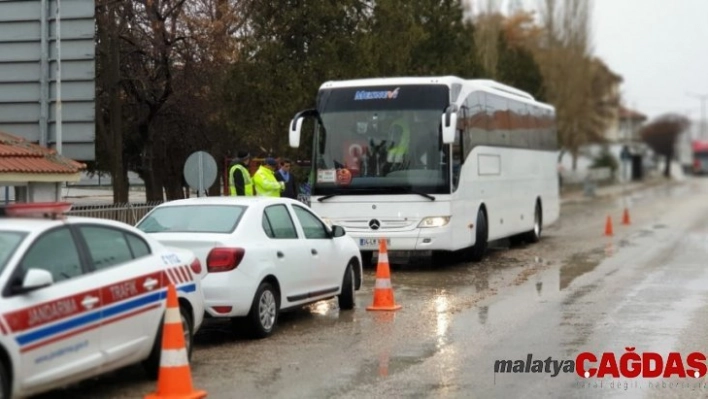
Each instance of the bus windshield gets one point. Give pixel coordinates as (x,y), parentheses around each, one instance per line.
(381,140)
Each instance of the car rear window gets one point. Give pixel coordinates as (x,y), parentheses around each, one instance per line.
(193,219)
(9,241)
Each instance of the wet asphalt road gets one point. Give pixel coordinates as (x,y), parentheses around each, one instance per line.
(575,291)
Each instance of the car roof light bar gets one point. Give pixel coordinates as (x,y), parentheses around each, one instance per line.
(36,209)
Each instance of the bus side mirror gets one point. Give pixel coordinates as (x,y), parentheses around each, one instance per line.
(295,126)
(449,125)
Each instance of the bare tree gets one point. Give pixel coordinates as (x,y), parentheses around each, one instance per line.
(661,133)
(111,24)
(563,56)
(488,25)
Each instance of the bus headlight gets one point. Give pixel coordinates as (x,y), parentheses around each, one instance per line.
(434,221)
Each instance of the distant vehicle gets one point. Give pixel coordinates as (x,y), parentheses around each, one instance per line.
(700,156)
(263,255)
(432,164)
(82,297)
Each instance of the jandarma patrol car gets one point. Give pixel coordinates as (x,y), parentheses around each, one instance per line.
(84,296)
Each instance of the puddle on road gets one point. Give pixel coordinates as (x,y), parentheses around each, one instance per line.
(624,243)
(581,263)
(382,366)
(644,233)
(542,285)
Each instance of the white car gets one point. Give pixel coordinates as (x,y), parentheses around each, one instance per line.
(262,254)
(84,296)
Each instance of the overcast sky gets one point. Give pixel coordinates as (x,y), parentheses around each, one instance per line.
(659,47)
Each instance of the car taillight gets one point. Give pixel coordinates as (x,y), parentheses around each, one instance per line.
(224,259)
(196,266)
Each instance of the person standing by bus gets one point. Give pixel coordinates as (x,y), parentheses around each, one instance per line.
(284,175)
(240,182)
(265,182)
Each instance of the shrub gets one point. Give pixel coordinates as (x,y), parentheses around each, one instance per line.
(605,160)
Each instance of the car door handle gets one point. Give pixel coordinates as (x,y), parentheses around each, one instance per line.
(280,254)
(89,301)
(314,251)
(150,283)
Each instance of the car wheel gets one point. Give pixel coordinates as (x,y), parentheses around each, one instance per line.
(187,331)
(263,316)
(5,387)
(152,363)
(534,235)
(479,249)
(346,298)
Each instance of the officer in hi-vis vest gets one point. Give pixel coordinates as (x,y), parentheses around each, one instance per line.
(397,147)
(240,182)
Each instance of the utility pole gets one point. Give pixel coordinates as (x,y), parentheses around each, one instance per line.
(58,118)
(703,98)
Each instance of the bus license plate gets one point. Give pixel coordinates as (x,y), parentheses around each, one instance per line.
(372,242)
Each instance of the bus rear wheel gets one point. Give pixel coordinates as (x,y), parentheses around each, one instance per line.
(534,235)
(479,249)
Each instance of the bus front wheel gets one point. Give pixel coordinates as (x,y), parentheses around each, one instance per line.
(479,249)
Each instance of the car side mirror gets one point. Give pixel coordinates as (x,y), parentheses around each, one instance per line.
(34,279)
(338,231)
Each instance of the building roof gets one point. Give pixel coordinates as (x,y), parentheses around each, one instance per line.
(19,156)
(626,113)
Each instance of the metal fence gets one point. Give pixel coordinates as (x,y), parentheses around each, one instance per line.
(129,213)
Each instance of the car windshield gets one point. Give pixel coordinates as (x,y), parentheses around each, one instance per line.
(9,241)
(192,219)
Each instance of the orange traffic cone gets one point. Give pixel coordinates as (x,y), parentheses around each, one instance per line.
(383,291)
(608,227)
(175,378)
(625,217)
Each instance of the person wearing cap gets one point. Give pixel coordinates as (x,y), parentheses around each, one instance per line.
(240,182)
(265,182)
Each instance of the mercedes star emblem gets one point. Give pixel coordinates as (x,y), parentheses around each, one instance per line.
(374,224)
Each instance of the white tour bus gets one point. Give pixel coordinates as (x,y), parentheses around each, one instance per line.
(432,164)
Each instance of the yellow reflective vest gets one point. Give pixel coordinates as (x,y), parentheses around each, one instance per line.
(247,182)
(397,153)
(266,183)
